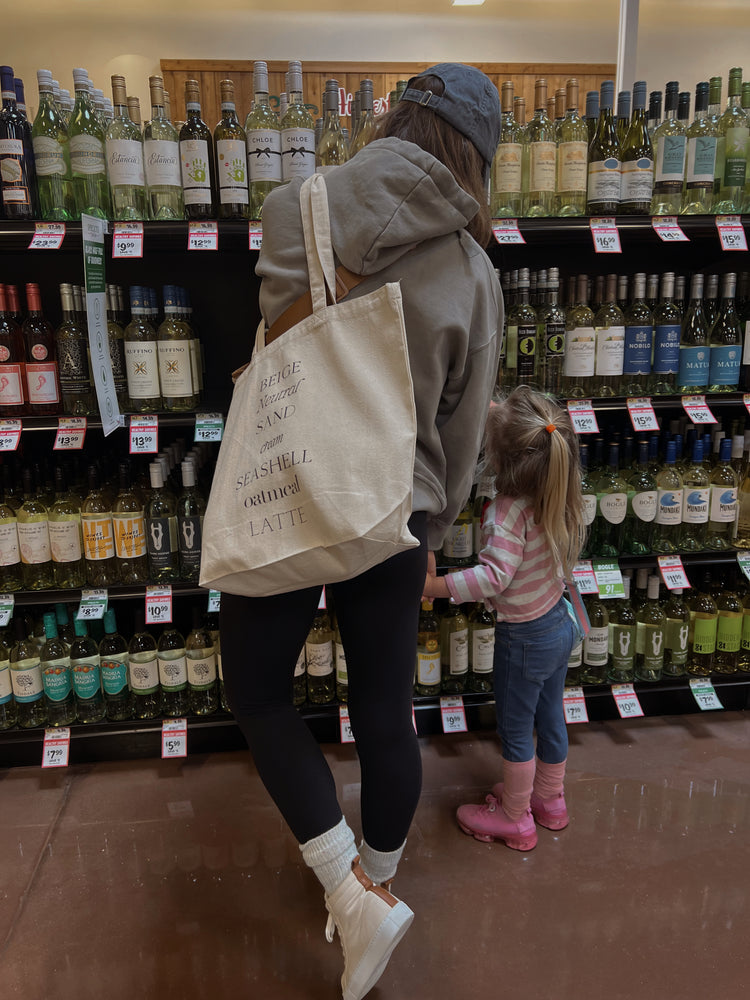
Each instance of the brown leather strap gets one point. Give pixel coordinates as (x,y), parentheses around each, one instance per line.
(346,280)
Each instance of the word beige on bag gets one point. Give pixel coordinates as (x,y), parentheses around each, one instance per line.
(313,482)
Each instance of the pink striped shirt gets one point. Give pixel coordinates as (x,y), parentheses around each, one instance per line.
(517,573)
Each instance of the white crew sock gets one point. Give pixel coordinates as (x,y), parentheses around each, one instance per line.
(379,865)
(330,855)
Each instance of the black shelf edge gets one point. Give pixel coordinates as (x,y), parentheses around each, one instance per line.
(73,596)
(159,237)
(632,229)
(36,424)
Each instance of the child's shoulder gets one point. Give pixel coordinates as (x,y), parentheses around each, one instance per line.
(509,510)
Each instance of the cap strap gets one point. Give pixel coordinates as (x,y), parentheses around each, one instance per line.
(424,97)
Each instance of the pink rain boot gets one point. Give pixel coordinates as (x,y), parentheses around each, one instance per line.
(510,822)
(547,799)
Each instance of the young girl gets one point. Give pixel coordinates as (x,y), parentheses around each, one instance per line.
(532,534)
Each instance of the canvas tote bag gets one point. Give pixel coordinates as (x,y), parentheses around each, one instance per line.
(313,482)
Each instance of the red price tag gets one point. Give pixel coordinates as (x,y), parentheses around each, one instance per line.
(47,236)
(256,236)
(144,434)
(71,432)
(731,234)
(746,398)
(642,415)
(56,747)
(158,605)
(627,701)
(345,726)
(667,228)
(673,572)
(697,409)
(127,239)
(583,417)
(174,738)
(584,576)
(453,714)
(203,236)
(506,231)
(10,434)
(605,235)
(574,705)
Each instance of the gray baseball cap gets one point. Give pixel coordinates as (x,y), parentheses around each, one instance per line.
(470,103)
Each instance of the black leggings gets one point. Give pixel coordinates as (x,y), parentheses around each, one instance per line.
(261,638)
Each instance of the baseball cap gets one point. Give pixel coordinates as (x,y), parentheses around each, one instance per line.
(469,102)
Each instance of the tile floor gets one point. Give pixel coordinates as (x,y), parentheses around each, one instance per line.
(168,879)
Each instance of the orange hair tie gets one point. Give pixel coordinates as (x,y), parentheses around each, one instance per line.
(551,427)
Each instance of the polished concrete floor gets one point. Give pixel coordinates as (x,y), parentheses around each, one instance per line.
(169,879)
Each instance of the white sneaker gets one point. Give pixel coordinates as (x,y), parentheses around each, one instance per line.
(370,922)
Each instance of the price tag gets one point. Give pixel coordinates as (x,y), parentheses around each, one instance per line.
(158,605)
(606,236)
(704,693)
(256,236)
(174,738)
(673,572)
(71,432)
(144,434)
(667,228)
(214,601)
(506,231)
(10,434)
(697,409)
(731,234)
(47,236)
(56,747)
(453,714)
(209,426)
(345,726)
(608,579)
(574,705)
(582,414)
(627,701)
(93,605)
(743,558)
(7,603)
(642,415)
(203,236)
(583,574)
(127,239)
(746,400)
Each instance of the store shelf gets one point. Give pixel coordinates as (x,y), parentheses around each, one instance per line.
(37,597)
(158,237)
(166,420)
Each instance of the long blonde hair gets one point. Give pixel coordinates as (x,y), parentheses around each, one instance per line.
(532,447)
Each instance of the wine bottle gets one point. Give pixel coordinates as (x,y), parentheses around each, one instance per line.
(481,648)
(141,355)
(42,378)
(86,674)
(596,642)
(653,119)
(332,149)
(11,569)
(703,625)
(13,387)
(129,527)
(197,159)
(230,143)
(551,334)
(726,341)
(454,650)
(143,664)
(321,681)
(728,632)
(191,506)
(651,628)
(731,151)
(580,345)
(572,157)
(592,113)
(98,534)
(507,191)
(72,347)
(124,146)
(670,142)
(612,506)
(458,545)
(542,153)
(54,663)
(88,160)
(17,174)
(175,356)
(33,538)
(609,326)
(677,614)
(113,651)
(667,330)
(711,298)
(8,714)
(639,340)
(698,189)
(638,533)
(695,502)
(694,343)
(723,505)
(297,131)
(116,338)
(49,137)
(366,125)
(427,676)
(621,638)
(26,679)
(162,159)
(637,158)
(521,337)
(161,530)
(201,668)
(134,111)
(339,664)
(604,167)
(588,496)
(66,546)
(622,118)
(263,143)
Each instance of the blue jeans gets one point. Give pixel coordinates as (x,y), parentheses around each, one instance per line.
(531,660)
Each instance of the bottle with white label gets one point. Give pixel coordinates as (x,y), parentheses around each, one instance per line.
(454,649)
(33,538)
(669,493)
(678,630)
(51,156)
(231,159)
(263,133)
(651,633)
(113,651)
(572,157)
(332,149)
(580,345)
(297,131)
(481,648)
(698,189)
(26,678)
(201,668)
(65,536)
(670,143)
(596,642)
(161,530)
(13,386)
(143,670)
(11,575)
(8,712)
(98,534)
(507,186)
(612,506)
(18,200)
(54,662)
(124,147)
(86,674)
(695,502)
(638,532)
(667,319)
(321,680)
(129,527)
(197,159)
(172,660)
(458,546)
(732,152)
(141,355)
(42,373)
(725,341)
(161,152)
(723,503)
(609,324)
(637,158)
(621,638)
(588,491)
(427,677)
(604,167)
(175,355)
(695,354)
(541,150)
(88,160)
(639,342)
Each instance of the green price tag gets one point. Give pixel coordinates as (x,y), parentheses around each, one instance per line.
(608,579)
(214,601)
(743,558)
(7,603)
(209,426)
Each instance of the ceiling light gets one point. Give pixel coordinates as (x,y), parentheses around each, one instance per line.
(467,3)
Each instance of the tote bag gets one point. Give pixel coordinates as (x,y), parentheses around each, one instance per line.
(313,482)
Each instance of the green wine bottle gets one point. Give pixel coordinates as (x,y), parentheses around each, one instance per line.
(542,154)
(129,528)
(321,680)
(572,157)
(365,131)
(694,368)
(124,145)
(113,651)
(98,534)
(454,649)
(481,648)
(174,338)
(698,189)
(201,668)
(637,158)
(639,342)
(638,532)
(26,678)
(88,160)
(11,568)
(667,329)
(162,159)
(726,341)
(731,151)
(300,682)
(332,149)
(72,347)
(161,530)
(703,625)
(621,638)
(506,188)
(66,539)
(85,668)
(263,143)
(141,355)
(33,538)
(551,336)
(651,627)
(427,678)
(609,325)
(677,614)
(604,167)
(458,545)
(723,501)
(596,643)
(8,714)
(52,156)
(695,502)
(580,345)
(172,660)
(728,632)
(54,662)
(144,670)
(612,506)
(230,143)
(116,337)
(670,142)
(297,131)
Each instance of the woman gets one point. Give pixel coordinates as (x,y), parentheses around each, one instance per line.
(410,207)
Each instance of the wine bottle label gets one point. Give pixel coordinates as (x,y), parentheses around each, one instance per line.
(117,360)
(175,372)
(670,162)
(511,346)
(11,384)
(87,676)
(572,159)
(26,678)
(554,341)
(65,541)
(173,671)
(542,166)
(605,181)
(694,366)
(610,350)
(11,147)
(458,652)
(144,674)
(695,505)
(649,643)
(638,344)
(576,657)
(141,359)
(507,167)
(125,162)
(342,675)
(428,669)
(644,505)
(10,554)
(87,155)
(723,504)
(161,541)
(596,647)
(458,542)
(482,650)
(704,634)
(589,508)
(98,538)
(73,366)
(6,686)
(33,541)
(701,162)
(196,178)
(637,180)
(668,507)
(580,352)
(297,153)
(130,535)
(190,533)
(613,507)
(728,632)
(162,161)
(735,153)
(231,163)
(15,191)
(201,671)
(621,646)
(114,673)
(56,678)
(42,382)
(319,656)
(264,154)
(49,157)
(299,667)
(526,347)
(666,349)
(677,640)
(724,366)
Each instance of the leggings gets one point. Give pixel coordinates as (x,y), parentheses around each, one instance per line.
(378,614)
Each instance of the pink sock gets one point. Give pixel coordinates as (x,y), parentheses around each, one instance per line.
(518,781)
(549,779)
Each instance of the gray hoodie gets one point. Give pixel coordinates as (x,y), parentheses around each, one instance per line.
(389,197)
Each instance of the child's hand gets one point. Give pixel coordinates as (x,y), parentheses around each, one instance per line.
(434,585)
